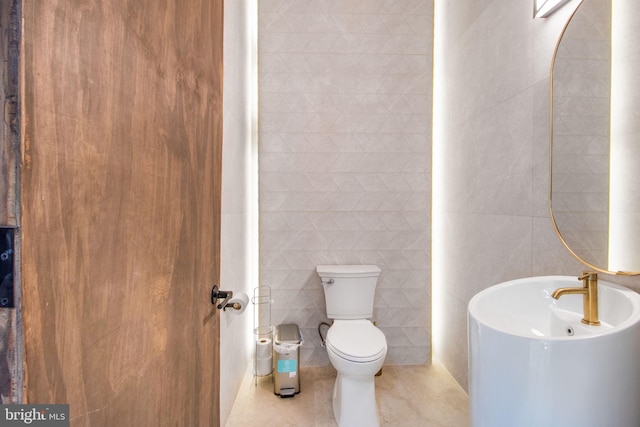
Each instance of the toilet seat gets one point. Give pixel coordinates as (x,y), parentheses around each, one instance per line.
(356,340)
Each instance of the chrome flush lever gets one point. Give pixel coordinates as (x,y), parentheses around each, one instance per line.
(326,282)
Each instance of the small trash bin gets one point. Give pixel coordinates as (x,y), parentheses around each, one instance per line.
(286,355)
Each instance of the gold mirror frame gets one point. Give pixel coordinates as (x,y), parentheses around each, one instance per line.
(550,200)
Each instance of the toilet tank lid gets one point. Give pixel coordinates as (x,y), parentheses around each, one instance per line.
(348,270)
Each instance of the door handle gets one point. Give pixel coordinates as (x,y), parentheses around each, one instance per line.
(217,294)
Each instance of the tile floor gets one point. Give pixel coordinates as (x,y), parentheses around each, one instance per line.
(407,396)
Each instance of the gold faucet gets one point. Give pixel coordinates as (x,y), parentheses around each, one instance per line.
(589,291)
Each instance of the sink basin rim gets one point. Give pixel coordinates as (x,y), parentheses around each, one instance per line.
(546,285)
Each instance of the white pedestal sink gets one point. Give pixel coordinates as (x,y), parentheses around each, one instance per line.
(533,363)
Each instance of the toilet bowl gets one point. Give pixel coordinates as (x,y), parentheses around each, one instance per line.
(356,349)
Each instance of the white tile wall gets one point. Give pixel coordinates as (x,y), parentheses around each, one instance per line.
(238,240)
(492,154)
(345,160)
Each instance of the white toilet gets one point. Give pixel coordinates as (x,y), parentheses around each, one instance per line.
(356,348)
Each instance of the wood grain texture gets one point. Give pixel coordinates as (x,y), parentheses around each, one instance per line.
(9,125)
(10,355)
(121,171)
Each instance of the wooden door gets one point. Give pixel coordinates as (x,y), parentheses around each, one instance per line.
(120,208)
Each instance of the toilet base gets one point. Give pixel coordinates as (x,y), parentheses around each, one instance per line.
(354,401)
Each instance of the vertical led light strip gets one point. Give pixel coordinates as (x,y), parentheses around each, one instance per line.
(437,190)
(252,95)
(624,203)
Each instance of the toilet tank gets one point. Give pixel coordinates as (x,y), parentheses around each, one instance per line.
(349,290)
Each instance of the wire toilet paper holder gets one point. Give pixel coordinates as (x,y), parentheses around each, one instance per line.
(263,332)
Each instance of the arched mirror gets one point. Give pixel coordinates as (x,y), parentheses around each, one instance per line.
(595,136)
